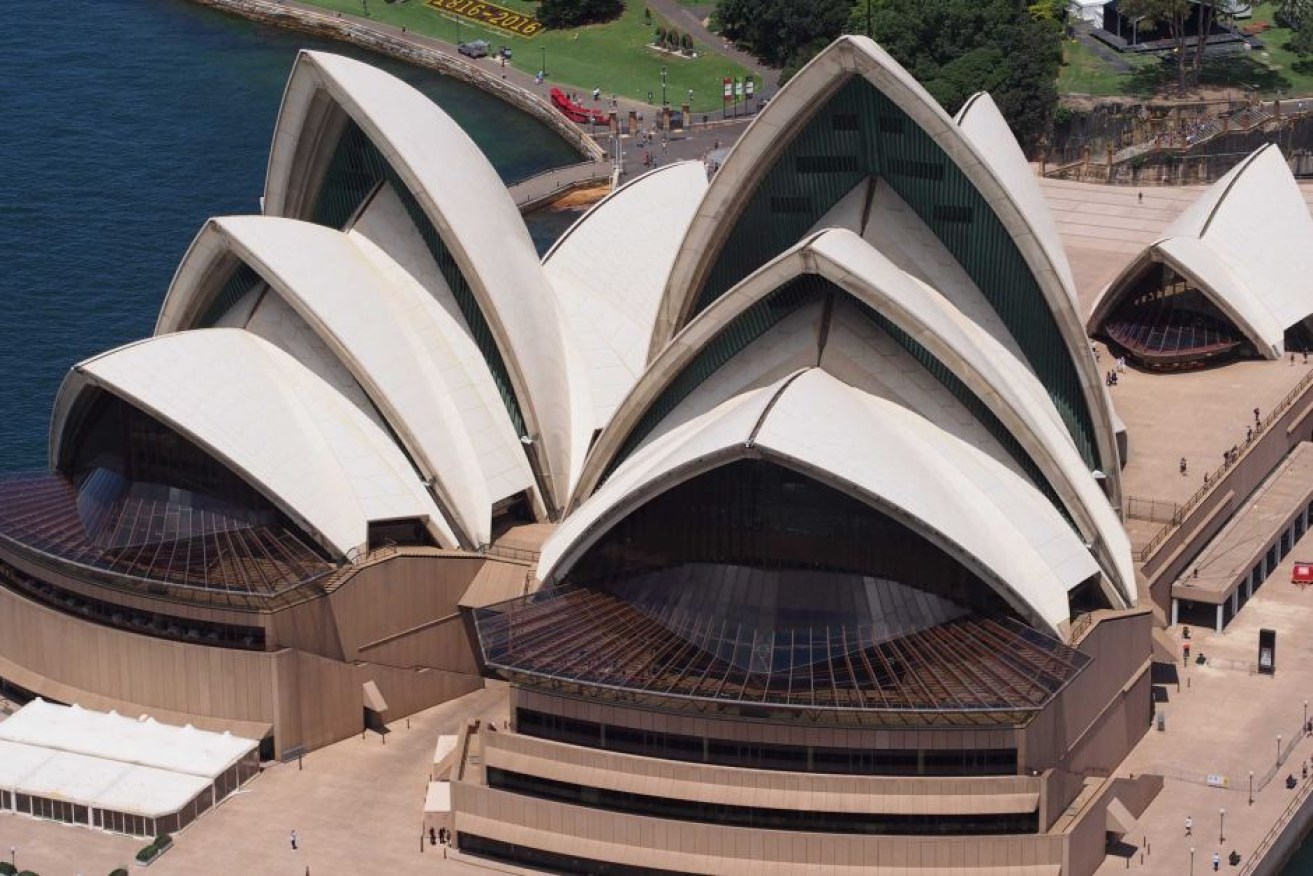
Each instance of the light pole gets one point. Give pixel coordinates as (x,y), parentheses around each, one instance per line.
(543,49)
(664,104)
(1305,716)
(1251,787)
(1278,749)
(1221,826)
(1191,860)
(13,857)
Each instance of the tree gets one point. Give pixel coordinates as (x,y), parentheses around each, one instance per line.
(782,33)
(1176,16)
(954,48)
(573,13)
(686,43)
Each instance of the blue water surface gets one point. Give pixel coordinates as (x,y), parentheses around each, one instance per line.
(127,123)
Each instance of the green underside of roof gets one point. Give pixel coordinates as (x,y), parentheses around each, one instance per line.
(354,173)
(860,133)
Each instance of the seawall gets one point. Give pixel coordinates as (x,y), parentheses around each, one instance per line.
(404,48)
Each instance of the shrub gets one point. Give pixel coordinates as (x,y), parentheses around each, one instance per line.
(26,873)
(686,43)
(7,869)
(147,852)
(660,36)
(163,840)
(121,871)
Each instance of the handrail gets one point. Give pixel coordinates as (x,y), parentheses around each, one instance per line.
(1213,479)
(1266,843)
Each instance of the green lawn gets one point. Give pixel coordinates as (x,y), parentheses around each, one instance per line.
(612,56)
(1084,72)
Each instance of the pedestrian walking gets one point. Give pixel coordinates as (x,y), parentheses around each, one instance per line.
(1257,421)
(1217,861)
(293,841)
(1189,826)
(597,93)
(1184,466)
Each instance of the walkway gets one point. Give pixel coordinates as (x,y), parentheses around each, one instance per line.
(357,806)
(1222,723)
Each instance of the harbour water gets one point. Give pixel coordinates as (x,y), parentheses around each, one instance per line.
(128,123)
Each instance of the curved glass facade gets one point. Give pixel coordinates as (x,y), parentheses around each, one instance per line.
(754,586)
(1162,321)
(859,132)
(135,500)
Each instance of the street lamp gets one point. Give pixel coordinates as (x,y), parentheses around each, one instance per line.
(1191,860)
(664,104)
(1306,715)
(1278,749)
(1221,826)
(543,49)
(13,857)
(1251,787)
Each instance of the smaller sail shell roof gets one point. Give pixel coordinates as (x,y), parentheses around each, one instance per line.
(276,424)
(384,327)
(473,213)
(1246,244)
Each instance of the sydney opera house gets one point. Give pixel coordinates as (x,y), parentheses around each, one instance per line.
(788,502)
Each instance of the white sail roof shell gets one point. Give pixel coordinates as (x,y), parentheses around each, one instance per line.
(273,422)
(967,503)
(473,213)
(1002,382)
(610,268)
(388,331)
(965,144)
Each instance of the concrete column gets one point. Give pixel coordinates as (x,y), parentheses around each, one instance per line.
(1249,587)
(1176,611)
(1235,602)
(633,122)
(1221,613)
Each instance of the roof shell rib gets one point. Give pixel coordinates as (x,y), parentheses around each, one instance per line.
(383,326)
(967,146)
(1001,382)
(1247,244)
(272,421)
(610,268)
(965,502)
(476,219)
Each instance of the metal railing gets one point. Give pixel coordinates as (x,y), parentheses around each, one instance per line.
(1269,839)
(1153,510)
(1214,479)
(550,182)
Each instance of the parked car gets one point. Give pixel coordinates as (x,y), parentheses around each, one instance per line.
(474,49)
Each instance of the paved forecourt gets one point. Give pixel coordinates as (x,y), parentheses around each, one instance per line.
(1223,720)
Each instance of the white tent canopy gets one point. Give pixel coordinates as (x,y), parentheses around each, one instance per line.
(113,763)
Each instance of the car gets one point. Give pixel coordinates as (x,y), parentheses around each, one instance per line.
(474,49)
